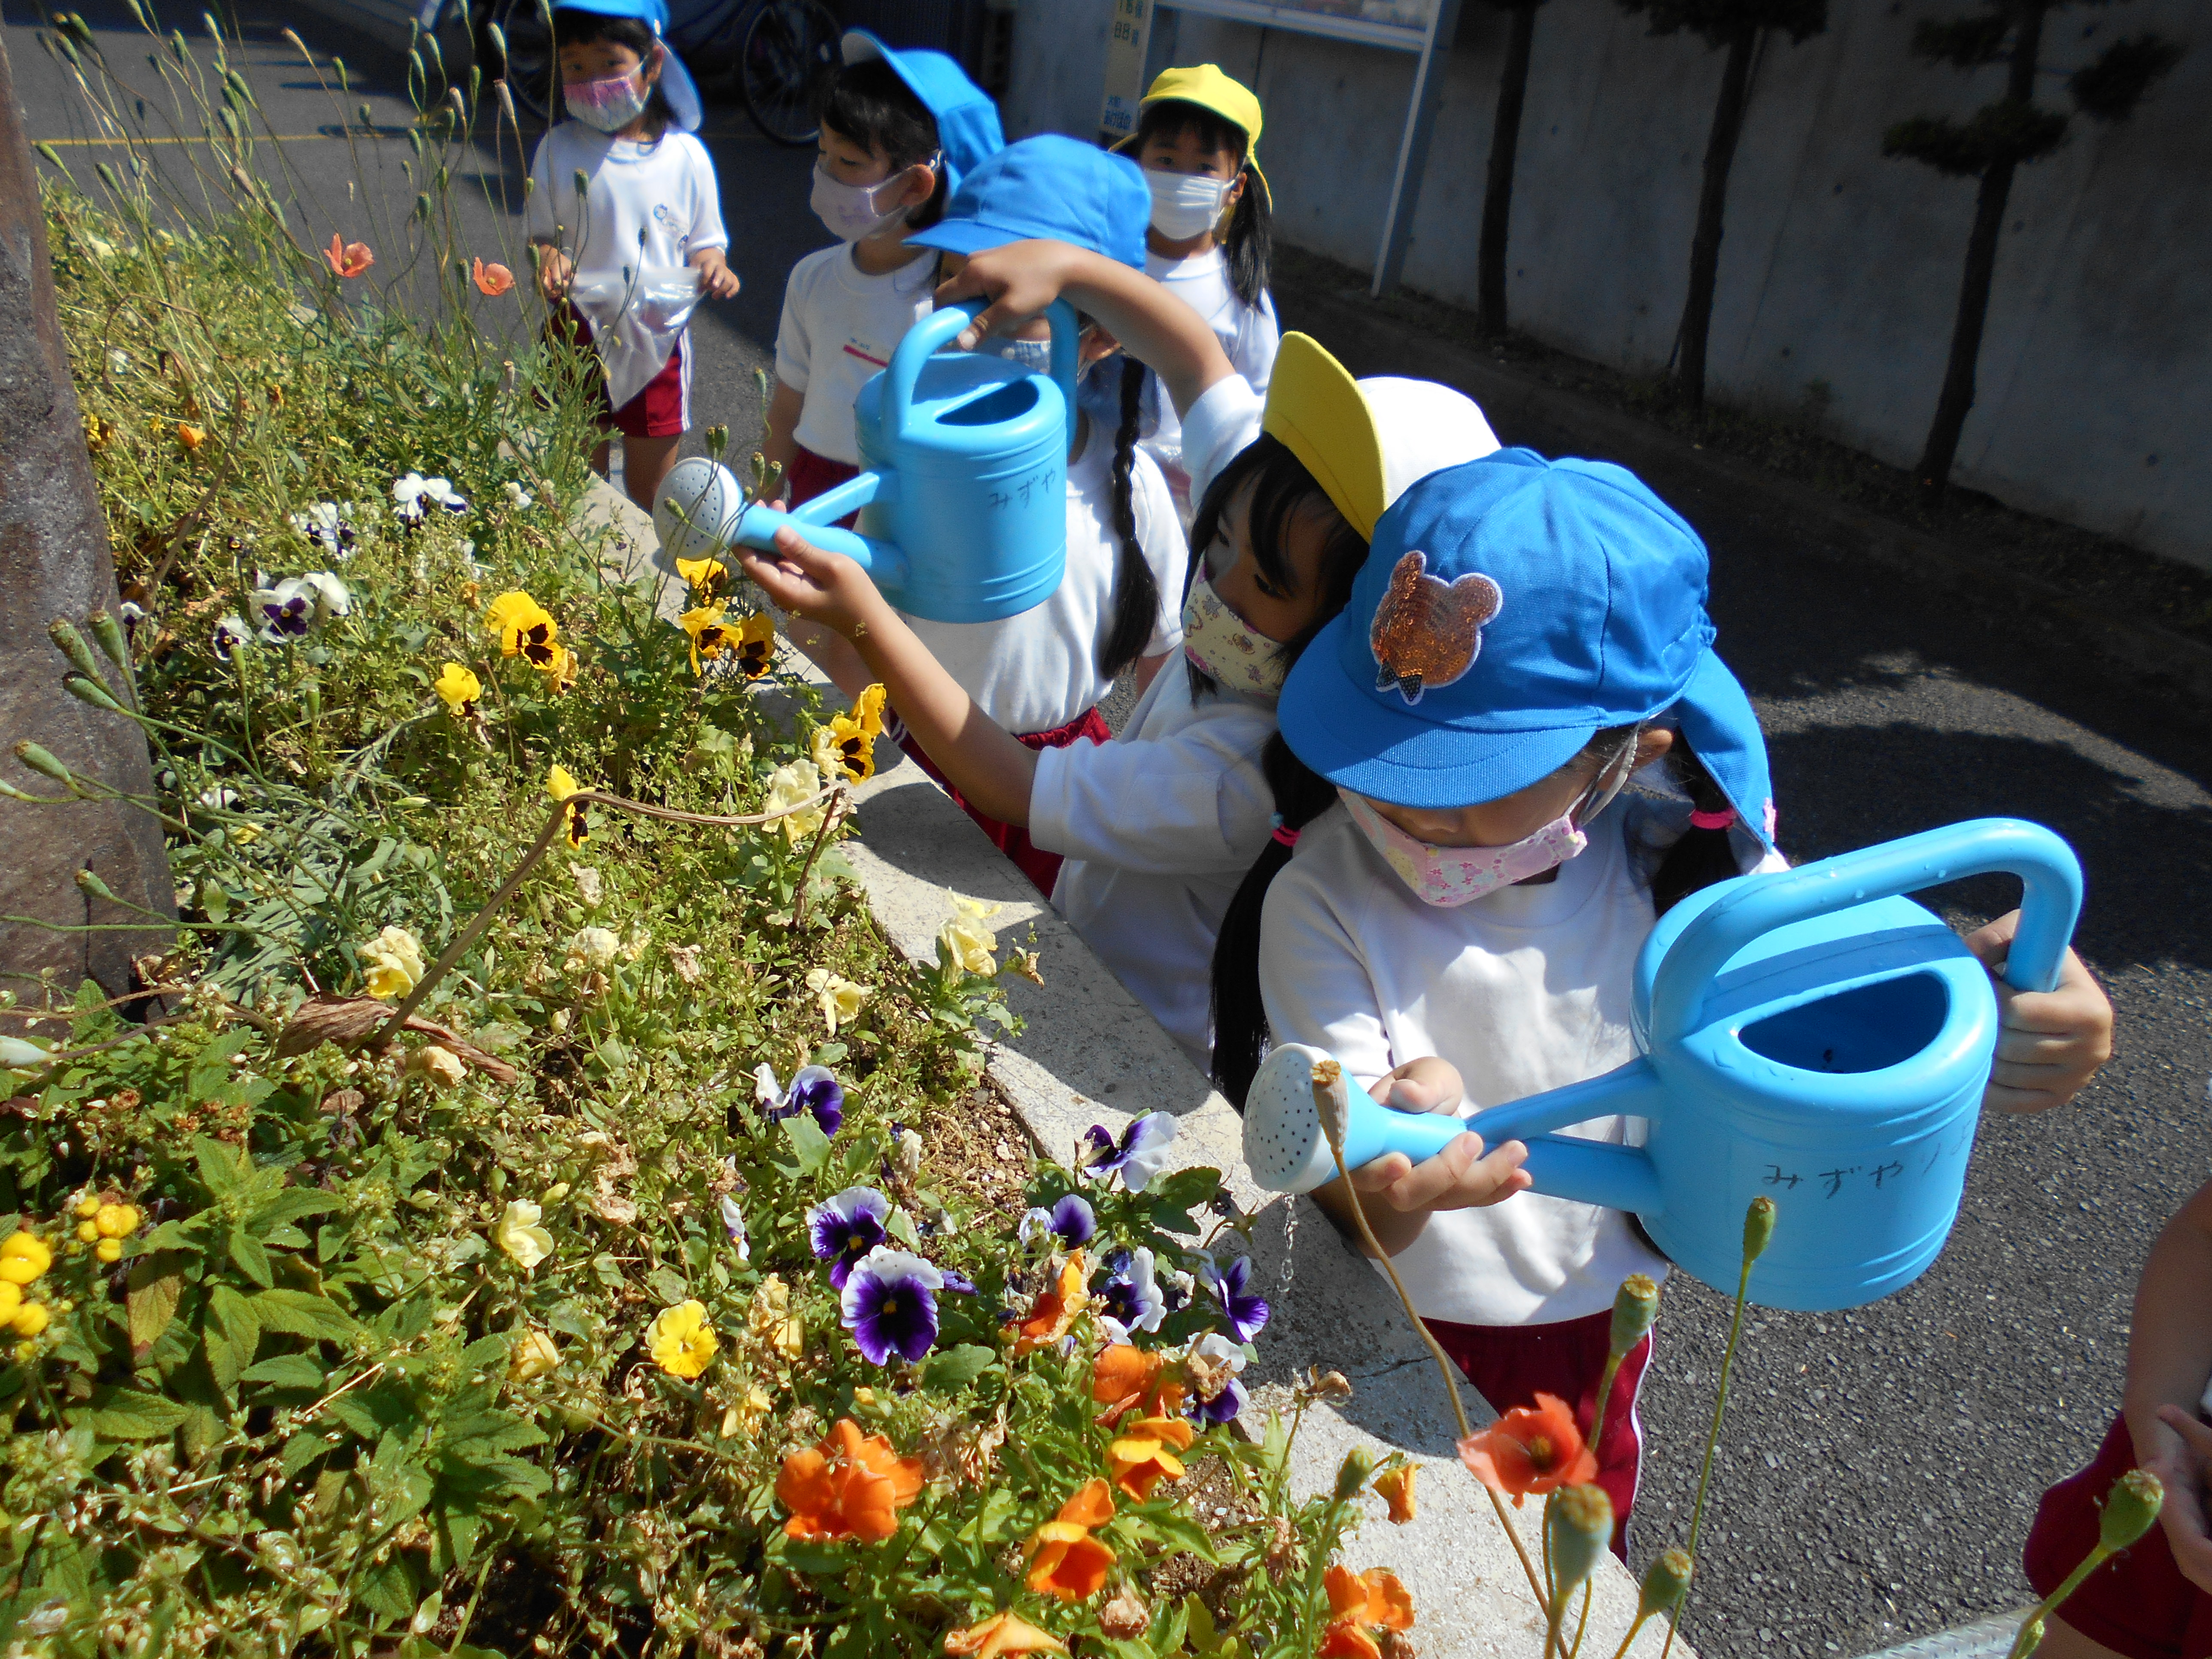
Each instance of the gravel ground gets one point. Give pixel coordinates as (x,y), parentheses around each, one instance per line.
(1880,1468)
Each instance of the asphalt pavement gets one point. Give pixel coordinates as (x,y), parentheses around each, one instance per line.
(1879,1469)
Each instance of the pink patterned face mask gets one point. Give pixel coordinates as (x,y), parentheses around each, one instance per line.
(1450,876)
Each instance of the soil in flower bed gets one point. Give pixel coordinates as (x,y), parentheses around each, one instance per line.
(978,1149)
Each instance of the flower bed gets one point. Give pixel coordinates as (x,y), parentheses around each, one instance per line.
(517,1226)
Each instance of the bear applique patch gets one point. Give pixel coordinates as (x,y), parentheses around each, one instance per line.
(1427,632)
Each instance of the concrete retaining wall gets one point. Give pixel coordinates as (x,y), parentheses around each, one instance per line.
(1841,271)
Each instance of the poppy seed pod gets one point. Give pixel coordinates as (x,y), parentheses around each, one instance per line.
(1577,1525)
(71,644)
(42,761)
(1635,1308)
(2130,1509)
(1665,1584)
(90,691)
(1332,1100)
(1758,1228)
(1358,1466)
(109,632)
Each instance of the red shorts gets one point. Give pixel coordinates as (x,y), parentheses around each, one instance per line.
(2138,1603)
(1042,868)
(810,475)
(1510,1365)
(662,409)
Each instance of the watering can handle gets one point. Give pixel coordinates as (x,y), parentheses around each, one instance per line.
(939,329)
(2050,901)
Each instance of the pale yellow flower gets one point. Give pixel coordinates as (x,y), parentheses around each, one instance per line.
(534,1356)
(771,1321)
(840,998)
(745,1417)
(594,947)
(393,960)
(442,1066)
(787,785)
(966,942)
(681,1342)
(458,689)
(517,1232)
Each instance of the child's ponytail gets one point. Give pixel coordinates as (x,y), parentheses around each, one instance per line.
(1706,852)
(1248,244)
(1240,1019)
(1136,589)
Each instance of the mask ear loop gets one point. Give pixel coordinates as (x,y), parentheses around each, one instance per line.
(1619,768)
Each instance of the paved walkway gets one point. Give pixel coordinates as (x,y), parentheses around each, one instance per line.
(1880,1469)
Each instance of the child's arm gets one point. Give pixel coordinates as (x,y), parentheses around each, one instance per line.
(715,275)
(984,761)
(2052,1042)
(2169,1361)
(1022,278)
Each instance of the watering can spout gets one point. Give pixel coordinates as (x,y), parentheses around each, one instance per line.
(885,561)
(1586,1171)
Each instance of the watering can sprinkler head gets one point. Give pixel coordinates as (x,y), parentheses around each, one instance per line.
(1810,1038)
(961,495)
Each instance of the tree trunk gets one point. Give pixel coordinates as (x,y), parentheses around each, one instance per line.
(54,563)
(1957,397)
(1712,207)
(1497,193)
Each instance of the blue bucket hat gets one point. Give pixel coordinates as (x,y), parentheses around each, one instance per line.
(967,120)
(1053,187)
(676,83)
(1508,609)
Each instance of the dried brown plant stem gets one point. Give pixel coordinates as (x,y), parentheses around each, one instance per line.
(554,824)
(1330,1127)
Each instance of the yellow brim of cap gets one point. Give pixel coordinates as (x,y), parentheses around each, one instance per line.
(1316,410)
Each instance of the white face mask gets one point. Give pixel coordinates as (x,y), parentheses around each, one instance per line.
(1034,356)
(1450,876)
(850,210)
(1227,652)
(1185,205)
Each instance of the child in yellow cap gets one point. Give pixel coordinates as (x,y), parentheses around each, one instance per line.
(1198,141)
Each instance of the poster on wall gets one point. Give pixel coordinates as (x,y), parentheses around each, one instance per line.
(1404,24)
(1127,36)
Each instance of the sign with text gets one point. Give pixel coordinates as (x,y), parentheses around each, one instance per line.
(1127,36)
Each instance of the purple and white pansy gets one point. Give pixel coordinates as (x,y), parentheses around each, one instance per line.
(1140,1154)
(845,1228)
(1244,1307)
(1072,1221)
(1130,1299)
(813,1089)
(890,1305)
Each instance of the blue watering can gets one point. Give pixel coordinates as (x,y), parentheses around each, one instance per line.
(1806,1034)
(963,492)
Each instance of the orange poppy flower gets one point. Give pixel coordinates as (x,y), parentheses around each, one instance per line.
(1055,1310)
(1123,1376)
(1528,1451)
(190,438)
(1396,1487)
(492,280)
(1146,1455)
(348,259)
(848,1486)
(1344,1639)
(1093,1505)
(1002,1633)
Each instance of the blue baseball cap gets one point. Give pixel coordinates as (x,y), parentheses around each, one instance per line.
(1050,187)
(967,120)
(676,83)
(1510,608)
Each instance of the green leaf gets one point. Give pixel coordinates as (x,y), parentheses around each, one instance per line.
(303,1313)
(151,1293)
(955,1368)
(387,1588)
(805,1556)
(808,1143)
(900,1227)
(1174,1530)
(128,1415)
(289,1371)
(668,1285)
(290,1203)
(232,1333)
(251,1257)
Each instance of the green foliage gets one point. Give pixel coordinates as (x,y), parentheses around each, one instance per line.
(2110,86)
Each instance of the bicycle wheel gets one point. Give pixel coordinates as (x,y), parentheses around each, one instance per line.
(526,65)
(789,47)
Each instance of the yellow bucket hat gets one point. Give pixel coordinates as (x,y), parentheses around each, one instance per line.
(1206,86)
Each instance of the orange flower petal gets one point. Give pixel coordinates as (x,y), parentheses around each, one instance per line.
(1531,1451)
(1071,1567)
(1093,1505)
(1395,1488)
(492,280)
(1344,1640)
(1347,1593)
(1002,1633)
(847,1486)
(1388,1602)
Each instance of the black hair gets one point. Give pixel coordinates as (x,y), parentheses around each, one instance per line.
(574,28)
(868,104)
(1698,859)
(1136,589)
(1248,243)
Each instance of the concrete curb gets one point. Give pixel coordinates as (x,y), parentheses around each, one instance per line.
(1524,410)
(1089,1054)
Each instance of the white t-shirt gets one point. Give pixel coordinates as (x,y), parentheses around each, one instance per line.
(1220,427)
(1248,335)
(1039,670)
(840,325)
(1159,828)
(664,190)
(1525,990)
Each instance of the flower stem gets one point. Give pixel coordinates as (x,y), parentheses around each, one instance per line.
(1443,1365)
(2021,1646)
(1635,1629)
(1712,1441)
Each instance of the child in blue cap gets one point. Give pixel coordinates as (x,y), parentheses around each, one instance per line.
(651,207)
(1468,886)
(899,131)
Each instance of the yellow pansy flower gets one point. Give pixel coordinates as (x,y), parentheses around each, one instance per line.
(534,1356)
(526,630)
(681,1342)
(868,710)
(841,998)
(559,786)
(755,645)
(702,574)
(458,690)
(393,960)
(844,747)
(711,634)
(787,785)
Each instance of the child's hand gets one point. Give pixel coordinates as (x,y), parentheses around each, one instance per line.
(2049,1042)
(1019,279)
(824,587)
(553,270)
(1427,1085)
(715,277)
(2181,1468)
(1463,1177)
